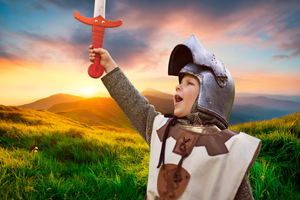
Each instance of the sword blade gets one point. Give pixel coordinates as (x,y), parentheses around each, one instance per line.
(99,8)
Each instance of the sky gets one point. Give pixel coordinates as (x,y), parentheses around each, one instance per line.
(44,50)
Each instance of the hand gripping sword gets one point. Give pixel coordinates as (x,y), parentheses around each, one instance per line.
(98,23)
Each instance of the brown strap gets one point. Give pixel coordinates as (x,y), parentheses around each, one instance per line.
(177,175)
(172,122)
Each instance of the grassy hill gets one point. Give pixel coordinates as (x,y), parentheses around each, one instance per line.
(99,111)
(276,173)
(44,155)
(48,156)
(96,111)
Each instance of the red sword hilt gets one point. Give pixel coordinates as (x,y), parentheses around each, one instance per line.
(98,29)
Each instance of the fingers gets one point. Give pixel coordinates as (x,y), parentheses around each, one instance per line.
(105,57)
(93,52)
(92,58)
(96,50)
(99,50)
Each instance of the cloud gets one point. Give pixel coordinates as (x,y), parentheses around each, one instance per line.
(71,4)
(242,80)
(246,19)
(293,46)
(153,28)
(85,8)
(4,53)
(286,35)
(37,7)
(279,57)
(40,38)
(81,35)
(27,47)
(291,43)
(149,25)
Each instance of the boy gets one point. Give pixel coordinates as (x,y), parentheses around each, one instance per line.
(192,155)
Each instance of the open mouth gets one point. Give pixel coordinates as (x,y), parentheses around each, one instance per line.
(178,98)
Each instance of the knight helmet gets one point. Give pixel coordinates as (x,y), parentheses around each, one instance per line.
(217,90)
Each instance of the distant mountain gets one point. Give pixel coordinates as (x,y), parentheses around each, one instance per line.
(97,111)
(25,102)
(162,105)
(266,102)
(246,113)
(240,113)
(46,103)
(244,109)
(234,119)
(279,102)
(100,111)
(295,98)
(92,112)
(157,94)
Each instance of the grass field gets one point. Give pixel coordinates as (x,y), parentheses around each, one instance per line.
(48,156)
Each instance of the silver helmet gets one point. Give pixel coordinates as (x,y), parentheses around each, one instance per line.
(216,94)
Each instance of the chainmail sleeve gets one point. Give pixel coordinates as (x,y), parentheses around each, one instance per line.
(244,192)
(134,105)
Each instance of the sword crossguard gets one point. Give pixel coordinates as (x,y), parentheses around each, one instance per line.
(98,29)
(98,21)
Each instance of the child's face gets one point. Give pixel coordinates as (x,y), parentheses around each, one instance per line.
(185,96)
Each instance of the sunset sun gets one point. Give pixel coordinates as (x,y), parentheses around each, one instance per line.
(89,91)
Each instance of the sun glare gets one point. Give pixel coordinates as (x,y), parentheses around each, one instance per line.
(89,91)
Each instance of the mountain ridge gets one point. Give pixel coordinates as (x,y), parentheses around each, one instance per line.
(294,98)
(156,93)
(47,102)
(94,111)
(268,103)
(89,110)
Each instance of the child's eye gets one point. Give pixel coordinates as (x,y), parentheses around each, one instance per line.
(190,83)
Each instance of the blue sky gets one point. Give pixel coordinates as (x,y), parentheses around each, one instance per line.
(43,49)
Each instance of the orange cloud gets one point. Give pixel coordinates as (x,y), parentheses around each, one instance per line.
(266,83)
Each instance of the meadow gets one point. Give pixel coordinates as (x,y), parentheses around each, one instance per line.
(44,155)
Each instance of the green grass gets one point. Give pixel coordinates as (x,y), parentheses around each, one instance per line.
(276,173)
(47,156)
(58,158)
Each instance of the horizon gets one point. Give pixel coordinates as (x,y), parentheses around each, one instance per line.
(44,50)
(106,95)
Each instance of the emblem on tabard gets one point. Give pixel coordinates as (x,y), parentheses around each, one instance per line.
(166,186)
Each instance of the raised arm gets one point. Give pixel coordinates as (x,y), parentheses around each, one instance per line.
(135,106)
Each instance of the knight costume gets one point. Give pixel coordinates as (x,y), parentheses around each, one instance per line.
(195,157)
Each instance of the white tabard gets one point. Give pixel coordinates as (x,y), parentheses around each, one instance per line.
(212,177)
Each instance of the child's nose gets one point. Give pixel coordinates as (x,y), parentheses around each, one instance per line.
(178,88)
